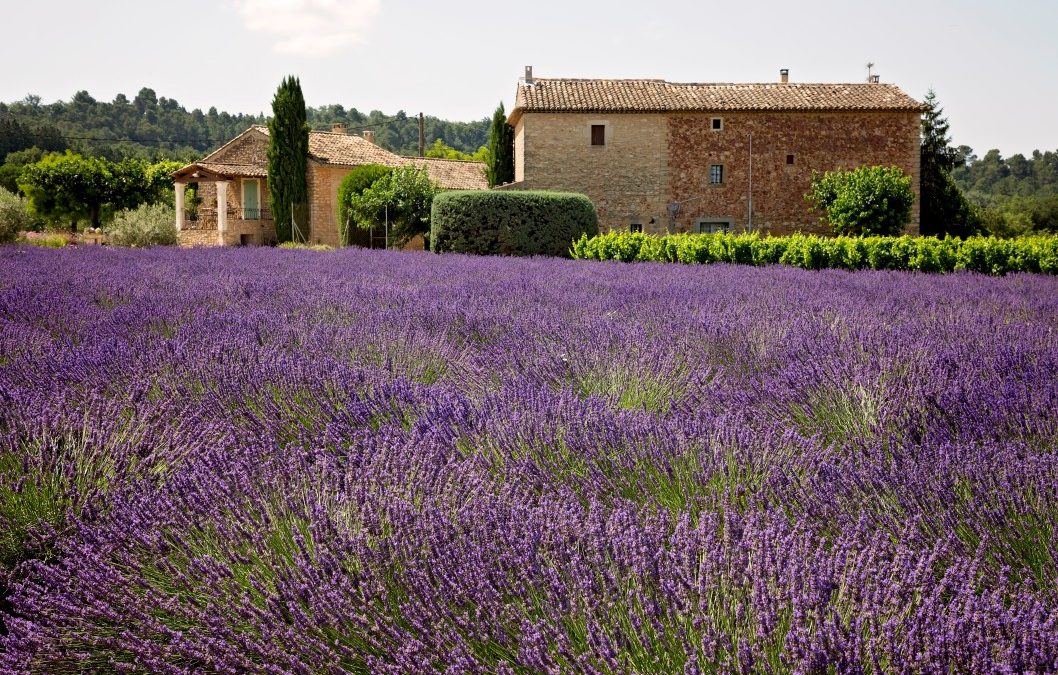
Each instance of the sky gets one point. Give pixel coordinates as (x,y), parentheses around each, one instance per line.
(993,65)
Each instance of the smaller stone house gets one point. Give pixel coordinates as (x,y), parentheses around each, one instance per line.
(236,175)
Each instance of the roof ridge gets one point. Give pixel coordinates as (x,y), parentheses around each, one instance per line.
(445,159)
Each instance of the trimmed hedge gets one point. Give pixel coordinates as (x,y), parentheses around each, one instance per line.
(509,222)
(987,255)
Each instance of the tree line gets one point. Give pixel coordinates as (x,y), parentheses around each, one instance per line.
(154,127)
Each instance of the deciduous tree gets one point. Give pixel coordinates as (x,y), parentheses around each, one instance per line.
(867,200)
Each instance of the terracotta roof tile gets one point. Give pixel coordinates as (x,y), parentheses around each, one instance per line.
(571,95)
(454,174)
(339,149)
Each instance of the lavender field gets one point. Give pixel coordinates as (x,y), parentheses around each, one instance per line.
(289,461)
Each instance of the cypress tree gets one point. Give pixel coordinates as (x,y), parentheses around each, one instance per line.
(288,152)
(500,167)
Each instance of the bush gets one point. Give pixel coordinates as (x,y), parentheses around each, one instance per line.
(148,225)
(14,216)
(46,241)
(355,184)
(867,200)
(296,245)
(988,255)
(511,223)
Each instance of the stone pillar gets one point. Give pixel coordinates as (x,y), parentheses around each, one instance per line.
(179,187)
(222,210)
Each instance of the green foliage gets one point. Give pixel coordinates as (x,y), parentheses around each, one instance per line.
(440,150)
(500,162)
(867,200)
(352,187)
(288,153)
(305,247)
(147,225)
(45,241)
(988,255)
(944,209)
(510,222)
(14,216)
(402,198)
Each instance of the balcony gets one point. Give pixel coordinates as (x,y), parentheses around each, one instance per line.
(204,218)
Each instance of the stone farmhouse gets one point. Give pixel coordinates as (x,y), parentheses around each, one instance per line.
(658,156)
(235,175)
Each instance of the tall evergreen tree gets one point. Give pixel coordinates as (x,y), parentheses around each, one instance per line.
(943,207)
(500,167)
(288,152)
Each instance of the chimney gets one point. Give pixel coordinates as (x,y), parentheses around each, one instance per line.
(529,75)
(338,128)
(784,76)
(875,79)
(369,136)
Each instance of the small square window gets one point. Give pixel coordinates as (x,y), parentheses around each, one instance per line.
(789,159)
(598,134)
(716,174)
(718,124)
(635,227)
(714,227)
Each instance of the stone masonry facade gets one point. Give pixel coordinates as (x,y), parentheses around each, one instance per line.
(650,160)
(693,157)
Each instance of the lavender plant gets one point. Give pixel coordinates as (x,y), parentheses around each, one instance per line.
(276,461)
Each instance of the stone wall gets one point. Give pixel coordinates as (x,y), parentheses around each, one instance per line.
(257,232)
(813,141)
(652,159)
(323,182)
(627,178)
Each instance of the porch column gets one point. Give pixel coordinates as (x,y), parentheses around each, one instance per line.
(179,187)
(222,210)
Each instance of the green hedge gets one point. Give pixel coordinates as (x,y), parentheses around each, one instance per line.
(988,255)
(510,223)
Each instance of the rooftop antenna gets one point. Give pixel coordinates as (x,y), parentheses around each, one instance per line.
(870,64)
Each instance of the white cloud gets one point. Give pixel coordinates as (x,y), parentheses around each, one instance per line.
(310,27)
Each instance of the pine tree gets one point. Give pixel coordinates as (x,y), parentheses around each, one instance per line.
(288,152)
(943,209)
(500,167)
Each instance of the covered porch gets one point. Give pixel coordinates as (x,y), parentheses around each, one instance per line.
(229,205)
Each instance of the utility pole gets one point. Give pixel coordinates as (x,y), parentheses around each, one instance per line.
(422,138)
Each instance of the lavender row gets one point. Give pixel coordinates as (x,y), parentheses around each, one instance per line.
(374,462)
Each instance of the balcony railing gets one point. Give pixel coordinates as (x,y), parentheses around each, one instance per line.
(204,218)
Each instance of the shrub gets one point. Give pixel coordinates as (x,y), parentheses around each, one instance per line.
(148,225)
(355,184)
(867,200)
(512,223)
(14,216)
(296,245)
(988,255)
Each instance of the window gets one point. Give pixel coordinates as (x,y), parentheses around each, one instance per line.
(718,124)
(714,226)
(635,227)
(789,159)
(598,134)
(716,174)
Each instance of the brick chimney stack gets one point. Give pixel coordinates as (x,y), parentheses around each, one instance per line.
(338,128)
(529,75)
(784,76)
(369,136)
